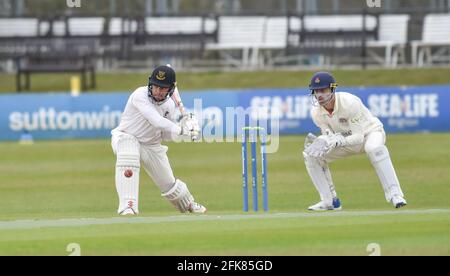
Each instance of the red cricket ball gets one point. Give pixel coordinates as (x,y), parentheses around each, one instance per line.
(128,173)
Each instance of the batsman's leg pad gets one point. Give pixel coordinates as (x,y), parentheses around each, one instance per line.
(179,196)
(127,173)
(381,161)
(321,177)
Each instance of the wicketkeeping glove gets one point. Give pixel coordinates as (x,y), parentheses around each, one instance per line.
(324,144)
(309,139)
(318,148)
(335,140)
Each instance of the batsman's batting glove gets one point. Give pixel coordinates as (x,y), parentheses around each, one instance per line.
(189,127)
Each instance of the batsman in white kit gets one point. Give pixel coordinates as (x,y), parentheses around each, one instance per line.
(348,128)
(150,117)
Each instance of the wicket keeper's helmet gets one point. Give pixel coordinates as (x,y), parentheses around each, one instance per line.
(322,80)
(162,76)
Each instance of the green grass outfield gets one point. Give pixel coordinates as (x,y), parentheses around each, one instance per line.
(47,188)
(239,80)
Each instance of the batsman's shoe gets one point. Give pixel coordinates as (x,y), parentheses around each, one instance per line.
(322,206)
(197,208)
(398,201)
(128,211)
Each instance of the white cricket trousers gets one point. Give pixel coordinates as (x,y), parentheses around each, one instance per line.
(372,141)
(154,160)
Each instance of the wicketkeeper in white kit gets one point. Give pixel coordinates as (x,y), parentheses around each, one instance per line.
(148,119)
(347,128)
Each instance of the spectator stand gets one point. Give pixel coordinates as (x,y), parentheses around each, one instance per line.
(392,37)
(165,39)
(435,36)
(333,38)
(50,46)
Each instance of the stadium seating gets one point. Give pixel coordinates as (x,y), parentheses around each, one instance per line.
(59,28)
(241,41)
(393,37)
(255,38)
(179,25)
(121,26)
(435,34)
(21,27)
(239,33)
(86,26)
(172,39)
(327,23)
(275,40)
(330,36)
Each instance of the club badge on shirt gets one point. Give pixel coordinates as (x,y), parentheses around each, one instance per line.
(347,133)
(343,121)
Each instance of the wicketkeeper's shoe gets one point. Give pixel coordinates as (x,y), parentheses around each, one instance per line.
(398,201)
(197,208)
(337,204)
(322,206)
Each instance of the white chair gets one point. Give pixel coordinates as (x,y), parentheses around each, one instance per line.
(86,26)
(20,27)
(275,33)
(314,25)
(119,26)
(337,23)
(392,37)
(274,38)
(59,28)
(178,25)
(332,23)
(436,33)
(239,33)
